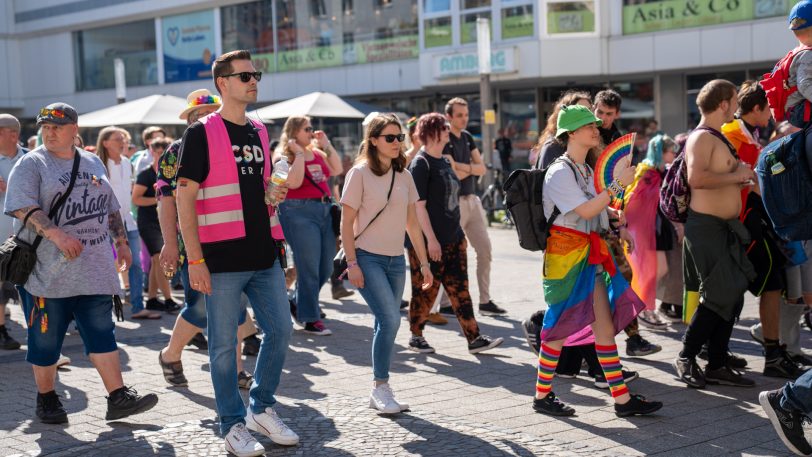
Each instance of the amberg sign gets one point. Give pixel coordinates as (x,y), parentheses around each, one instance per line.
(467,63)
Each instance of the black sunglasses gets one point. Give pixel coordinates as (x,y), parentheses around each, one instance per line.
(245,76)
(391,138)
(308,129)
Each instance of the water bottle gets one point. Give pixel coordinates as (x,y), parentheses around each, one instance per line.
(278,178)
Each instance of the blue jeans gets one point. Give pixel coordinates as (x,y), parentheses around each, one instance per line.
(136,273)
(266,291)
(194,307)
(384,280)
(797,395)
(309,231)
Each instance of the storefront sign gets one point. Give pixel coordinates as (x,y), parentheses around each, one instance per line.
(570,21)
(188,44)
(680,14)
(467,63)
(333,56)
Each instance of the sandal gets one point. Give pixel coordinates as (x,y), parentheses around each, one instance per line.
(173,371)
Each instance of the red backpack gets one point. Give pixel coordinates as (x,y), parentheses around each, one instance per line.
(776,84)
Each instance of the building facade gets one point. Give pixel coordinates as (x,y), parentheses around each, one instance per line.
(402,55)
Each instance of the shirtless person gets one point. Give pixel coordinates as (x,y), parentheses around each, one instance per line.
(714,259)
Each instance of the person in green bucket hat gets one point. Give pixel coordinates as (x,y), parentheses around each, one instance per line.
(579,269)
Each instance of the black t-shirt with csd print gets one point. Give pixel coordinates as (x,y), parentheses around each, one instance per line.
(256,251)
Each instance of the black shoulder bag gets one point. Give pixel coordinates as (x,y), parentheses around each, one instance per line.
(18,257)
(340,260)
(335,208)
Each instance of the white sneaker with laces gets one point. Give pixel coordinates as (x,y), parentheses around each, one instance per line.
(240,442)
(271,425)
(383,399)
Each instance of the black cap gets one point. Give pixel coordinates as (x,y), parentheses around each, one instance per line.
(57,113)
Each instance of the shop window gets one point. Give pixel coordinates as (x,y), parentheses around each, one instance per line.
(570,17)
(96,49)
(248,26)
(470,4)
(437,32)
(436,6)
(468,26)
(517,21)
(519,122)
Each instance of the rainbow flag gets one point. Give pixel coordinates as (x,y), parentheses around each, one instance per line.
(640,203)
(570,265)
(614,158)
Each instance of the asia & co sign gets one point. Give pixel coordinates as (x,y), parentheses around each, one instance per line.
(680,14)
(467,63)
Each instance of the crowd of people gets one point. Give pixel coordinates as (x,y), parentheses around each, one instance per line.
(197,210)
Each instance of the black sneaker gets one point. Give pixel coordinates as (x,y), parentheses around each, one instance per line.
(637,406)
(628,376)
(727,376)
(153,304)
(552,406)
(404,304)
(340,292)
(671,311)
(171,306)
(531,335)
(447,310)
(173,372)
(637,346)
(490,309)
(731,359)
(50,410)
(244,380)
(199,341)
(125,401)
(782,366)
(688,371)
(483,343)
(802,360)
(6,341)
(787,424)
(419,344)
(250,345)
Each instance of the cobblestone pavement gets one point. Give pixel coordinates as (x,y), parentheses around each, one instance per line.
(461,404)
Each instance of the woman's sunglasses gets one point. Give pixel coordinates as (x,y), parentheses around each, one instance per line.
(246,76)
(308,129)
(391,138)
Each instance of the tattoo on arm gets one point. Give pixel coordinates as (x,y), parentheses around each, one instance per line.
(38,221)
(116,227)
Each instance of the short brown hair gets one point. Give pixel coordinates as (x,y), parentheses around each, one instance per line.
(222,65)
(449,106)
(430,125)
(609,98)
(751,95)
(369,153)
(149,131)
(712,95)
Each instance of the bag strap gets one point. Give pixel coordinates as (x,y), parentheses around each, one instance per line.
(55,207)
(388,194)
(721,136)
(312,181)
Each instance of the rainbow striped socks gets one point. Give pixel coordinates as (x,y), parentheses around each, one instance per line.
(610,362)
(548,360)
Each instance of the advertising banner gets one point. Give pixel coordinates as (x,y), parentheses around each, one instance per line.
(188,46)
(680,14)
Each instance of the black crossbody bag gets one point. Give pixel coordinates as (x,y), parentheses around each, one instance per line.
(18,257)
(340,260)
(335,208)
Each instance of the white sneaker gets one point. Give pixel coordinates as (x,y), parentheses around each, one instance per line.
(383,399)
(270,425)
(63,360)
(240,442)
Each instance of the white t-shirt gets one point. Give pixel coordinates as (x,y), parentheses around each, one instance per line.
(567,191)
(121,179)
(142,162)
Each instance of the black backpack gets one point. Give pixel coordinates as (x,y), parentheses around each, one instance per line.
(523,200)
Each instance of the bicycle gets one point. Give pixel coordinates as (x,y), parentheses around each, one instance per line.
(493,199)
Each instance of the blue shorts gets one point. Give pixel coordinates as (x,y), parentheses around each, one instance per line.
(94,318)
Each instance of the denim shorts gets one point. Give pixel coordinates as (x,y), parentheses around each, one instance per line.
(93,316)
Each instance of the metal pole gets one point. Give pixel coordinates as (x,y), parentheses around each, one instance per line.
(484,55)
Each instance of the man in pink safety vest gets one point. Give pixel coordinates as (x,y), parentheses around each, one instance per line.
(224,170)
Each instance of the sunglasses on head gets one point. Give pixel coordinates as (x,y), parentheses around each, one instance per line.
(246,76)
(391,138)
(46,112)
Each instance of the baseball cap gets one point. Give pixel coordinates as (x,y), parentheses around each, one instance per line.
(57,113)
(573,117)
(9,122)
(800,17)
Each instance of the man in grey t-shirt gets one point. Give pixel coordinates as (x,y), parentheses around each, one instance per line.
(75,275)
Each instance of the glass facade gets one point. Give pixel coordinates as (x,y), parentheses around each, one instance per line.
(288,35)
(509,19)
(95,50)
(570,17)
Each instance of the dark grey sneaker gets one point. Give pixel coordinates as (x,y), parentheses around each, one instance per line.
(782,366)
(419,344)
(637,406)
(727,376)
(250,345)
(531,335)
(483,343)
(199,341)
(552,406)
(6,341)
(50,410)
(787,424)
(637,346)
(125,401)
(490,309)
(688,371)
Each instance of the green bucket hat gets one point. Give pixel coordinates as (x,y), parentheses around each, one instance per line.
(573,117)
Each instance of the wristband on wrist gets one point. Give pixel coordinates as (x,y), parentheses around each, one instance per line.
(424,265)
(197,262)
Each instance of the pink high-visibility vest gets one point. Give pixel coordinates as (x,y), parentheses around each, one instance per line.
(219,204)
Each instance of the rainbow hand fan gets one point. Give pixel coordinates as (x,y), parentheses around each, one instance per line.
(612,160)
